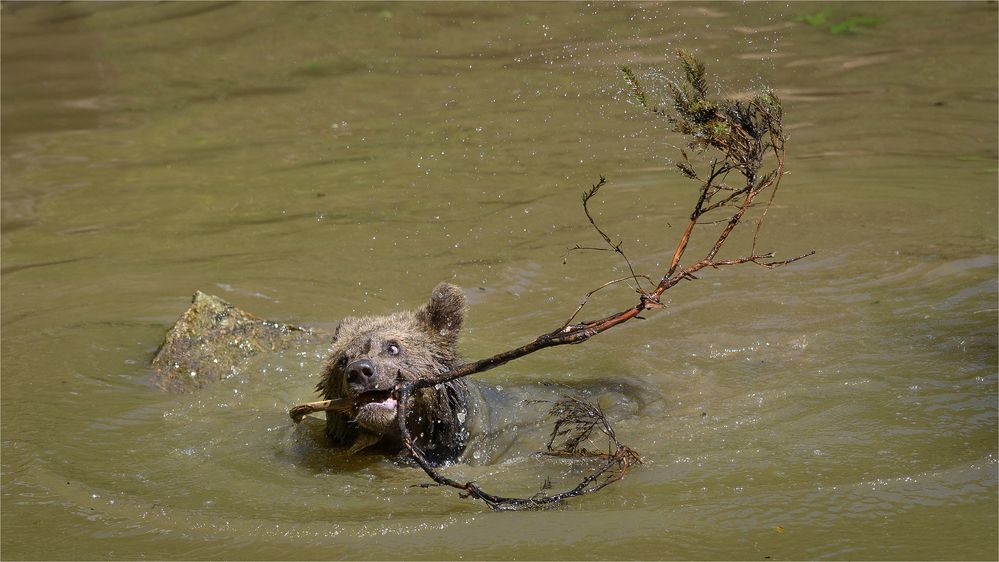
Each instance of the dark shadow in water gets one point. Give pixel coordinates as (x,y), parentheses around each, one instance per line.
(190,10)
(7,269)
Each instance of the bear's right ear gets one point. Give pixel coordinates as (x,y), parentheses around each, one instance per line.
(445,311)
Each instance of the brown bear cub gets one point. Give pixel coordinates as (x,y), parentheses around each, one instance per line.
(370,353)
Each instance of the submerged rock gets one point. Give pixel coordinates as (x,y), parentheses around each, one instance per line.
(213,339)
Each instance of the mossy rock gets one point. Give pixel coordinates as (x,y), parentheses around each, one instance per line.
(213,339)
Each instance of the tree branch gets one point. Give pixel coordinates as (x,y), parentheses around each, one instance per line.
(740,135)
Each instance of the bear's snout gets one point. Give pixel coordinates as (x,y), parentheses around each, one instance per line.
(360,373)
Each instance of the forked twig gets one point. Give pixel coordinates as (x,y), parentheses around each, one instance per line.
(587,296)
(611,246)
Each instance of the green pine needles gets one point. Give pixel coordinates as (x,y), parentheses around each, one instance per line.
(742,145)
(743,132)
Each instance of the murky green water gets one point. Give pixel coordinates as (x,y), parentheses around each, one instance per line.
(309,161)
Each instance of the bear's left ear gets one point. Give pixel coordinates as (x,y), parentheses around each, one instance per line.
(445,311)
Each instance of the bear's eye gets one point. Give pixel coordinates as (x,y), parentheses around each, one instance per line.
(392,348)
(341,361)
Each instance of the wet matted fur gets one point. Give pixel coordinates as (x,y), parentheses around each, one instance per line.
(371,352)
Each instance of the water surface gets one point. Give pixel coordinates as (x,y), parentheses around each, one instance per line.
(311,161)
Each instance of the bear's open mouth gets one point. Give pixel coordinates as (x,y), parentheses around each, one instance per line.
(372,395)
(381,398)
(387,404)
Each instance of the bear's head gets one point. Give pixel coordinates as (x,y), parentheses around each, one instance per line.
(372,353)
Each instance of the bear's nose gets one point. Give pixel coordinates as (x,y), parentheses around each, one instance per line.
(360,371)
